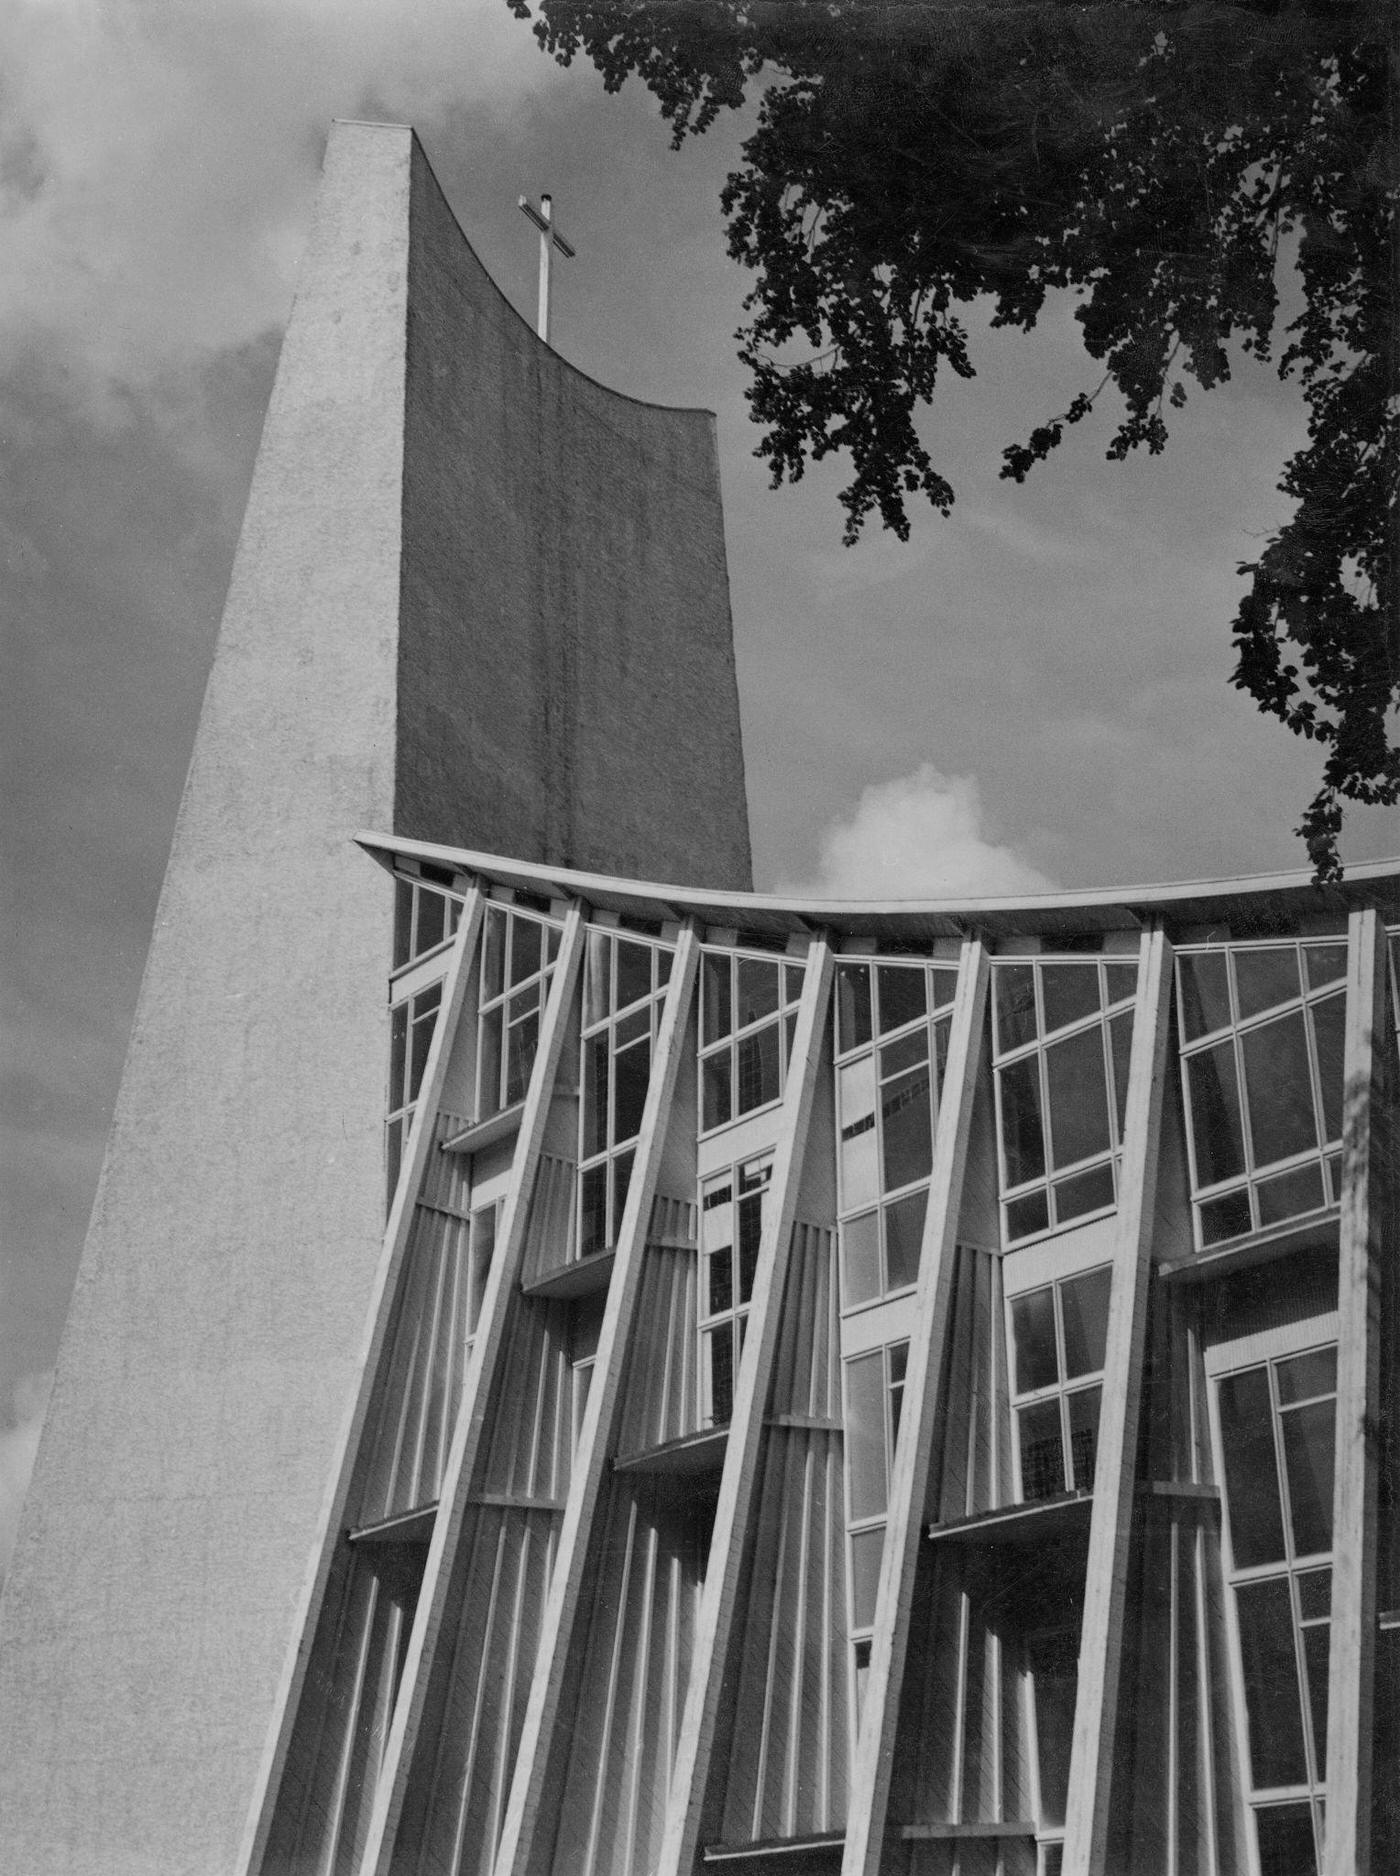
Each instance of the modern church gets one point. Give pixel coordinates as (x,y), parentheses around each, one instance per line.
(579,1369)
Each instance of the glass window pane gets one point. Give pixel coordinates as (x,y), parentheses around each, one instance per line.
(593,1211)
(1271,1683)
(1264,978)
(621,1181)
(596,1052)
(758,989)
(1083,1193)
(1122,981)
(1204,988)
(852,1006)
(945,986)
(865,1434)
(420,1041)
(1068,991)
(1291,1195)
(597,980)
(1226,1217)
(483,1249)
(1037,1361)
(493,953)
(904,1236)
(1120,1037)
(490,1064)
(525,942)
(716,1101)
(720,1288)
(1042,1450)
(719,1347)
(1015,1004)
(903,1054)
(1078,1097)
(1325,964)
(633,972)
(394,1153)
(1314,1594)
(1304,1377)
(664,960)
(1028,1214)
(715,1001)
(757,1069)
(860,1259)
(1251,1470)
(398,1055)
(1285,1835)
(860,1178)
(632,1068)
(906,1113)
(1083,1436)
(1308,1434)
(432,914)
(522,1040)
(1084,1309)
(750,1237)
(1278,1087)
(1022,1130)
(903,992)
(866,1548)
(403,922)
(1216,1132)
(1054,1664)
(1316,1647)
(1329,1027)
(792,982)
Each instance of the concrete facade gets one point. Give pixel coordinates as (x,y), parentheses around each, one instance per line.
(460,560)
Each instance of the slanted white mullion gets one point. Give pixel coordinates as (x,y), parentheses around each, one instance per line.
(1369,1175)
(397,1233)
(1106,1583)
(599,1422)
(470,1427)
(739,1479)
(925,1384)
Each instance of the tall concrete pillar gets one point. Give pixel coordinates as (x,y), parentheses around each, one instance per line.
(477,598)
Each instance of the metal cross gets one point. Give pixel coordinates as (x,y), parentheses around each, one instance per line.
(550,238)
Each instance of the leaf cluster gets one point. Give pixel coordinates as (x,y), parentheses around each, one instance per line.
(1162,163)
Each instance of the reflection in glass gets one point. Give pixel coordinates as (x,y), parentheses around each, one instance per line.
(1215,1114)
(1083,1435)
(1251,1474)
(757,986)
(1084,1306)
(1078,1100)
(1265,978)
(1042,1450)
(1015,1005)
(1033,1336)
(852,1006)
(904,1236)
(903,994)
(715,973)
(1071,991)
(1307,1452)
(1265,1613)
(1278,1086)
(1329,1027)
(1203,978)
(1083,1193)
(1022,1128)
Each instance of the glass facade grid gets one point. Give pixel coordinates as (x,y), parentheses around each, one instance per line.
(1062,1038)
(892,1025)
(412,1020)
(731,1231)
(1275,1426)
(1261,1030)
(518,949)
(624,991)
(427,912)
(748,1012)
(874,1396)
(1057,1335)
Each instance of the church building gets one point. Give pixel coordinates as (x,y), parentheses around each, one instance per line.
(581,1369)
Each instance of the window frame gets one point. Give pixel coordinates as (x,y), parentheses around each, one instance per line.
(783,1019)
(709,1322)
(860,1634)
(490,1003)
(1064,1386)
(1054,1176)
(941,981)
(1267,1349)
(1325,1155)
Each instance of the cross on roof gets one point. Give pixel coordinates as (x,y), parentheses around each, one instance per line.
(550,238)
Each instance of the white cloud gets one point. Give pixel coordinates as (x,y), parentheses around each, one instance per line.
(157,161)
(920,836)
(19,1442)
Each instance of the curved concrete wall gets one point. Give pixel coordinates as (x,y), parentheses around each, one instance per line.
(477,597)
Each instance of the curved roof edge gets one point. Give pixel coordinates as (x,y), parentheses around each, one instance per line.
(1196,902)
(610,390)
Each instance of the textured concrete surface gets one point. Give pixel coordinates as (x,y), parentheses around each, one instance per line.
(489,642)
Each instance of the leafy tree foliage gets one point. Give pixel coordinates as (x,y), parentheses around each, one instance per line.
(1162,162)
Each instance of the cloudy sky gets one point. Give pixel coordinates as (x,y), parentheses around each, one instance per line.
(1033,691)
